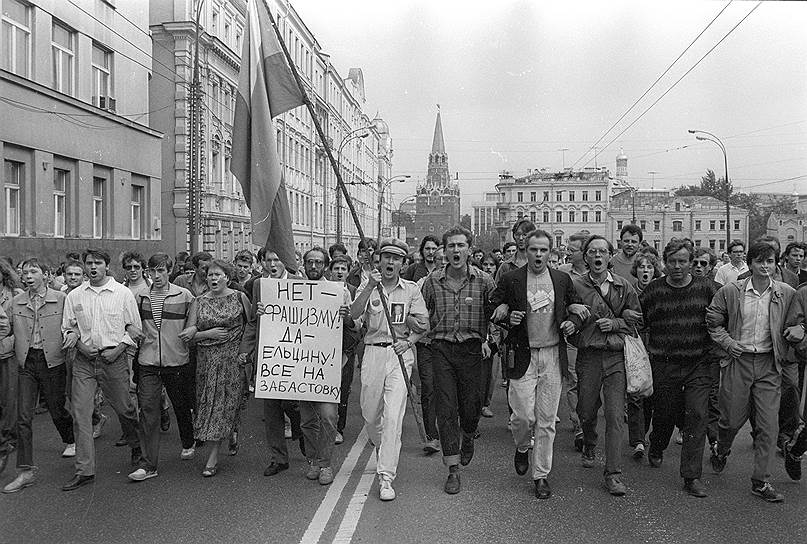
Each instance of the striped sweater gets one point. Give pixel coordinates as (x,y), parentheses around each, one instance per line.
(675,318)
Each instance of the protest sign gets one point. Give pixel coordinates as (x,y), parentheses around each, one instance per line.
(299,355)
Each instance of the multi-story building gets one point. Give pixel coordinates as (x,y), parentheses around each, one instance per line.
(791,227)
(437,204)
(562,203)
(662,217)
(485,211)
(80,164)
(310,181)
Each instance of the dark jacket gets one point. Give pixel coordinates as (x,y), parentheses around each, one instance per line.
(621,296)
(512,290)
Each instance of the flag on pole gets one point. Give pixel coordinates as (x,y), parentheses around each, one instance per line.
(266,88)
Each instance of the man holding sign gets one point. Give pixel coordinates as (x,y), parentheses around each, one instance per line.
(383,389)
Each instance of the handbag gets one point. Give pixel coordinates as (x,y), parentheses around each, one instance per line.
(638,372)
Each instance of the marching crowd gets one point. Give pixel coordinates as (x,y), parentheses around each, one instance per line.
(726,345)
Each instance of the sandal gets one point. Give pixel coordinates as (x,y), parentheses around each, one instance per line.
(209,472)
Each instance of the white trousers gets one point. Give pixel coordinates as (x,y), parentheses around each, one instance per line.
(534,399)
(383,403)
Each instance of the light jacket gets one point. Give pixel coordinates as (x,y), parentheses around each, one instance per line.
(724,318)
(50,326)
(163,347)
(797,315)
(7,340)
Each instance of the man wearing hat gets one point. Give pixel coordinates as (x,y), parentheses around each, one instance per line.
(383,389)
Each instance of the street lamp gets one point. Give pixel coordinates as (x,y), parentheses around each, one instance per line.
(361,132)
(398,220)
(384,185)
(715,140)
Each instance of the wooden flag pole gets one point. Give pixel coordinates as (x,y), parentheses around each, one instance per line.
(340,184)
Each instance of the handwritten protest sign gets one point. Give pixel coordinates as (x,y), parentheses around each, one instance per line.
(299,354)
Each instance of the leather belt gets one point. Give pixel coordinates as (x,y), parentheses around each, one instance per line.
(380,344)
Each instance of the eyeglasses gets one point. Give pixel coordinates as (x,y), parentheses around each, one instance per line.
(700,263)
(132,267)
(594,252)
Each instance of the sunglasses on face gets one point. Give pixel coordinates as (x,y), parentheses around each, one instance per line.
(700,263)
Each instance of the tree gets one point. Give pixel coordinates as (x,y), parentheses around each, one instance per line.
(465,221)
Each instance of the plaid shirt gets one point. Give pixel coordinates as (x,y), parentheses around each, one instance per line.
(457,316)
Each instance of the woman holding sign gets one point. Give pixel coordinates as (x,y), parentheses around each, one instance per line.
(216,323)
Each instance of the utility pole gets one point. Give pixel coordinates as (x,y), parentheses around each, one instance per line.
(563,151)
(194,177)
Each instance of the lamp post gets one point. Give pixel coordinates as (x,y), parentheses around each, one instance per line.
(398,222)
(384,185)
(361,132)
(715,140)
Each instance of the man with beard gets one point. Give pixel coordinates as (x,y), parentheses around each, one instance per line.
(520,230)
(631,238)
(600,358)
(674,312)
(539,300)
(417,272)
(274,410)
(383,386)
(458,300)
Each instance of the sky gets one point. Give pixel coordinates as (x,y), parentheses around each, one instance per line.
(518,81)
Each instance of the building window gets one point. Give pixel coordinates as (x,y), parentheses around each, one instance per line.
(546,217)
(597,217)
(711,244)
(598,196)
(711,225)
(722,245)
(520,196)
(656,225)
(697,224)
(558,240)
(656,244)
(101,76)
(697,243)
(559,196)
(585,196)
(520,216)
(559,217)
(63,47)
(619,225)
(678,206)
(98,207)
(227,32)
(643,224)
(136,215)
(571,217)
(723,224)
(571,196)
(532,196)
(61,183)
(533,216)
(678,226)
(13,181)
(736,224)
(546,196)
(585,216)
(16,37)
(214,24)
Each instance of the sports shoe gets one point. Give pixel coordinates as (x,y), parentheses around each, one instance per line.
(325,475)
(338,439)
(792,463)
(385,491)
(589,456)
(99,427)
(766,491)
(142,474)
(718,460)
(487,412)
(614,485)
(69,450)
(275,468)
(452,485)
(542,489)
(187,453)
(313,471)
(694,487)
(431,446)
(24,479)
(638,451)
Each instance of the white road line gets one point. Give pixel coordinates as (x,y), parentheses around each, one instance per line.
(323,514)
(353,512)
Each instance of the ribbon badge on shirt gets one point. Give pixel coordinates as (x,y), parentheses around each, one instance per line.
(539,301)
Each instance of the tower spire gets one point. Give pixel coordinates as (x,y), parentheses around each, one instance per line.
(438,144)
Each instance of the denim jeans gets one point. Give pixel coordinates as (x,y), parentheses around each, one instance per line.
(9,370)
(714,407)
(275,427)
(681,397)
(114,381)
(318,423)
(178,385)
(457,373)
(427,404)
(789,416)
(570,383)
(34,377)
(602,370)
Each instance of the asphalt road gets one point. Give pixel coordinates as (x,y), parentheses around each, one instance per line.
(495,505)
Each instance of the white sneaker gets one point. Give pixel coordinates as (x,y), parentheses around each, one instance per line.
(339,439)
(287,431)
(70,450)
(99,427)
(142,474)
(385,491)
(187,453)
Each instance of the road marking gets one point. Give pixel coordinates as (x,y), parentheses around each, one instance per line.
(353,512)
(323,514)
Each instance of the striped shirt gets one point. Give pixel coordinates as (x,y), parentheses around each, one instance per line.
(157,302)
(461,314)
(100,315)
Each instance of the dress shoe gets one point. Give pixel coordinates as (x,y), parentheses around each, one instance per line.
(614,485)
(655,459)
(521,460)
(78,481)
(452,486)
(792,463)
(542,489)
(165,420)
(121,442)
(718,460)
(274,468)
(24,479)
(589,456)
(466,450)
(694,487)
